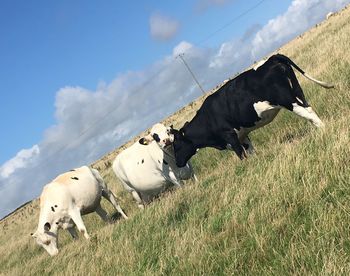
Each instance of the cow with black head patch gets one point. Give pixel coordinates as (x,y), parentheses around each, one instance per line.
(249,101)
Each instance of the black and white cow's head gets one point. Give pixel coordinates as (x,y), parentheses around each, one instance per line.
(159,133)
(183,147)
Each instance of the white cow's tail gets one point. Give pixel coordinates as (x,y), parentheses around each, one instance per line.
(287,60)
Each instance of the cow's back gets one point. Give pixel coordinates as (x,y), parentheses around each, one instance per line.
(78,187)
(139,168)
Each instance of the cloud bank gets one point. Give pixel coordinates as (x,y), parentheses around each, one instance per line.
(92,123)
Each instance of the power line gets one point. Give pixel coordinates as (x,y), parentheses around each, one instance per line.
(181,56)
(231,22)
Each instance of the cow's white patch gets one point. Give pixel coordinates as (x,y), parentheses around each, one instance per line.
(260,63)
(262,107)
(307,113)
(266,112)
(299,100)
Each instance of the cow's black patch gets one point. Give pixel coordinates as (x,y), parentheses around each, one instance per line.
(72,170)
(56,206)
(52,209)
(75,178)
(165,162)
(143,161)
(159,161)
(156,137)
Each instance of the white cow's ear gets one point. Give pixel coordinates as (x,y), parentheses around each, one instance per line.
(146,140)
(142,141)
(47,226)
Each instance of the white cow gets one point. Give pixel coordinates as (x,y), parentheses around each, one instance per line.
(65,199)
(329,15)
(148,167)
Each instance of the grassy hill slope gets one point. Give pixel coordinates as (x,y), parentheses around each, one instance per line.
(285,210)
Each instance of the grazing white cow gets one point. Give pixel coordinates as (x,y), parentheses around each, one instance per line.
(65,199)
(148,167)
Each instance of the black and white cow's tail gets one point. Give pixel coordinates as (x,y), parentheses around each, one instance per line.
(287,60)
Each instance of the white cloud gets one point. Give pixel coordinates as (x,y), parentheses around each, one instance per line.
(91,123)
(181,48)
(21,160)
(162,27)
(299,17)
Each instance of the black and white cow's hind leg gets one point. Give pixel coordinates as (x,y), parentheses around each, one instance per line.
(233,143)
(248,146)
(299,103)
(308,113)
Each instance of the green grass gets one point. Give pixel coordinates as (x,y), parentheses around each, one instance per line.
(285,210)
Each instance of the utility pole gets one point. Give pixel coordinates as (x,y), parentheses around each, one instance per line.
(181,56)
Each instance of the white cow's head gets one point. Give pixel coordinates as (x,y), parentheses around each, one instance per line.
(159,133)
(47,239)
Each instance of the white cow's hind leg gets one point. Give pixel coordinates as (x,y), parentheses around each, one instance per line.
(73,232)
(102,213)
(308,113)
(138,199)
(76,217)
(107,194)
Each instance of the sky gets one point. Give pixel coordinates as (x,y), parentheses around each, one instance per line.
(80,78)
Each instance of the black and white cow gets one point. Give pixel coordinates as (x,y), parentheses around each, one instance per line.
(243,104)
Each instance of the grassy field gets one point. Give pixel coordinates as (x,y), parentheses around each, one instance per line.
(285,210)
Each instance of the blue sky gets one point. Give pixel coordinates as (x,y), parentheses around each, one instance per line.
(49,45)
(73,67)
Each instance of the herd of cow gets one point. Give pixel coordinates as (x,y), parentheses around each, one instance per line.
(161,159)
